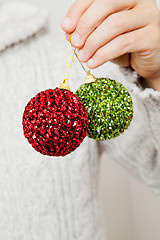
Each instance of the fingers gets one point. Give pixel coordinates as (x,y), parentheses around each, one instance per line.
(71,19)
(119,46)
(94,16)
(113,26)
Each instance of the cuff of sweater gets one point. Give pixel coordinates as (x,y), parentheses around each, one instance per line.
(150,99)
(137,87)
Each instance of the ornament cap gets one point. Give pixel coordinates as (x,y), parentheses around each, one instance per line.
(89,78)
(65,85)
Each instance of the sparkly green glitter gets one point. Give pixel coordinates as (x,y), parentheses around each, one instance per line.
(109,107)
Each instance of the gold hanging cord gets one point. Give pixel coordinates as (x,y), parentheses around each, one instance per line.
(65,84)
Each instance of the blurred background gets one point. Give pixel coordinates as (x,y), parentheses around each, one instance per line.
(131,211)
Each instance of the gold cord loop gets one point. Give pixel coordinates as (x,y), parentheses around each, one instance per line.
(89,78)
(65,84)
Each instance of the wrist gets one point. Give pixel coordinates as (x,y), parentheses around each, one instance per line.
(153,82)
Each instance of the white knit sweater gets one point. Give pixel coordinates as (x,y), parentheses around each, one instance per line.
(49,198)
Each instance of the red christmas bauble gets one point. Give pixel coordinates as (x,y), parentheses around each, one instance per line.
(55,122)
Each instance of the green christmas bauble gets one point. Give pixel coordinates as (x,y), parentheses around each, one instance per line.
(109,106)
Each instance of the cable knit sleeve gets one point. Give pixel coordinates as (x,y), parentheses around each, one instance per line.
(138,148)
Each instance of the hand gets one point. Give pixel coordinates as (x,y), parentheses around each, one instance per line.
(107,30)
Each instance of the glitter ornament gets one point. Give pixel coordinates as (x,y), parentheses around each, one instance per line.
(109,107)
(55,122)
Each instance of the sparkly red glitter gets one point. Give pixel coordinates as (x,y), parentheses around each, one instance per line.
(55,122)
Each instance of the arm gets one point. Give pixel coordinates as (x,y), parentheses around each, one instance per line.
(137,149)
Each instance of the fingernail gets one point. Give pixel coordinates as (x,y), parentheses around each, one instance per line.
(66,22)
(80,54)
(90,63)
(76,39)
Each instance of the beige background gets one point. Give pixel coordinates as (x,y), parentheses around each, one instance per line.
(131,211)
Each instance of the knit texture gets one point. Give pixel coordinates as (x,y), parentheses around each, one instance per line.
(40,197)
(55,198)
